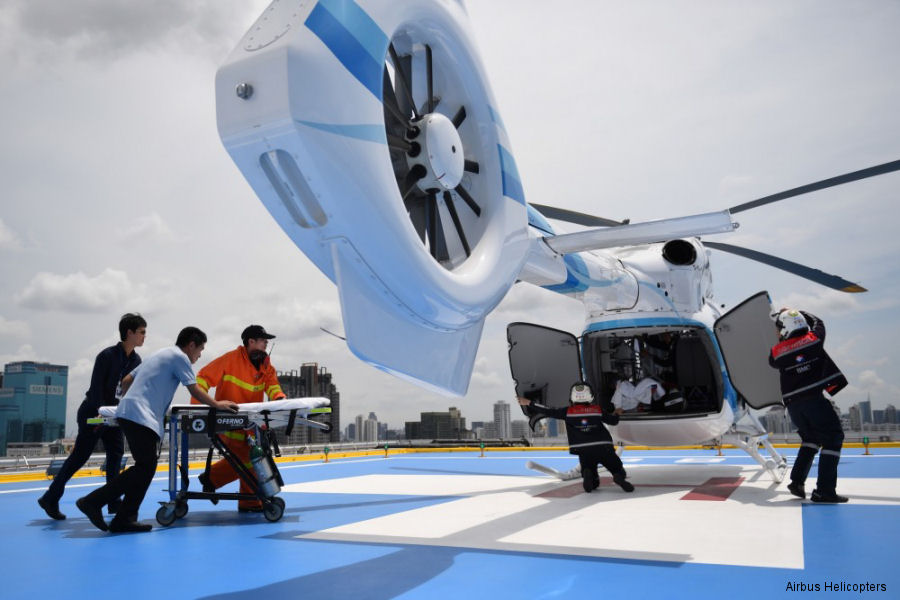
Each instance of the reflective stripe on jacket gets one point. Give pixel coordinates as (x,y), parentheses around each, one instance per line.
(236,379)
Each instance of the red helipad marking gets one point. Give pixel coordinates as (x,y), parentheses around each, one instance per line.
(715,488)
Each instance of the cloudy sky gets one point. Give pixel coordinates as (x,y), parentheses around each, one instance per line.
(118,195)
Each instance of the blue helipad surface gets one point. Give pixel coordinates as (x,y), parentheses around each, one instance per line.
(445,525)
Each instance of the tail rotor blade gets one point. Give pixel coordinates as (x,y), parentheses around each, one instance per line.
(401,76)
(832,281)
(819,185)
(430,79)
(468,199)
(451,207)
(472,167)
(459,117)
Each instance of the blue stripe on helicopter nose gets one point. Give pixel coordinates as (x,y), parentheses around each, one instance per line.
(512,186)
(354,39)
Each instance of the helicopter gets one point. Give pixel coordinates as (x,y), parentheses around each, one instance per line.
(370,133)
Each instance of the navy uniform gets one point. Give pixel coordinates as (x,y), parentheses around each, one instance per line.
(806,372)
(588,437)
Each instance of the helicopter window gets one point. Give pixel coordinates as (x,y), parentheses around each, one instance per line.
(681,361)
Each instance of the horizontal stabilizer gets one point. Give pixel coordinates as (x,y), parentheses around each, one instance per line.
(385,333)
(642,233)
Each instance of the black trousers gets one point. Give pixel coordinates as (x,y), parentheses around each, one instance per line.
(85,442)
(135,480)
(605,454)
(818,426)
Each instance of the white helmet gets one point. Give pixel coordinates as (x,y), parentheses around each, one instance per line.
(581,394)
(790,323)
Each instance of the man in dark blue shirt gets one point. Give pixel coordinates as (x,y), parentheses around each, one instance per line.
(111,365)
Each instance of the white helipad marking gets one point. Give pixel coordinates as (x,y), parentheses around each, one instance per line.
(701,461)
(759,525)
(706,532)
(416,485)
(442,520)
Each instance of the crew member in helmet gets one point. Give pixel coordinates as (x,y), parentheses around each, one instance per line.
(807,371)
(588,437)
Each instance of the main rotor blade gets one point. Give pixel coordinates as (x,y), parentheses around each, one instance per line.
(429,79)
(401,76)
(451,207)
(570,216)
(819,185)
(832,281)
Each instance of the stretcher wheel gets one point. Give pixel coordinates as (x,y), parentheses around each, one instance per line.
(165,516)
(274,509)
(181,509)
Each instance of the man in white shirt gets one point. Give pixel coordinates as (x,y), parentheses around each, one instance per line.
(636,398)
(141,416)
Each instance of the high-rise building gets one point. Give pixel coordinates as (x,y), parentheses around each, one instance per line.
(501,420)
(360,429)
(310,380)
(855,418)
(32,403)
(370,429)
(890,414)
(865,410)
(519,429)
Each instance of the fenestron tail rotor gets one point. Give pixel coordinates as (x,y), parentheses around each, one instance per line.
(815,275)
(429,152)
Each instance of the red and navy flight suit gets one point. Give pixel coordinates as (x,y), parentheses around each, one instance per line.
(589,440)
(806,371)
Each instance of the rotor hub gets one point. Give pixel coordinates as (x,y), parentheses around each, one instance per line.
(441,153)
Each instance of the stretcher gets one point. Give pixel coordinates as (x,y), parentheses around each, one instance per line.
(257,419)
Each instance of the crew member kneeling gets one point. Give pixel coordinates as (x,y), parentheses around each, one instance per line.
(588,437)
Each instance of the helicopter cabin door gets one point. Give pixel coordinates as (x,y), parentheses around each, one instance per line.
(746,336)
(545,363)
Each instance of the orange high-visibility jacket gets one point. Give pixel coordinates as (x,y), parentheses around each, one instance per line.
(236,379)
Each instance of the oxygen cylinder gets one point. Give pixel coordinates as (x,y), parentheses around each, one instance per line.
(268,485)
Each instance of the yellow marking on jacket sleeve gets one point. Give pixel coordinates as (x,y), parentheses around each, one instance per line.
(243,384)
(274,389)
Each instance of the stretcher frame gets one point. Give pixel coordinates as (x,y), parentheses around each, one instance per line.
(203,419)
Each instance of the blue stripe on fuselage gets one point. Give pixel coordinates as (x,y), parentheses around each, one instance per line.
(354,39)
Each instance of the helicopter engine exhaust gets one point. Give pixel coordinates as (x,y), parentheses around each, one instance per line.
(679,252)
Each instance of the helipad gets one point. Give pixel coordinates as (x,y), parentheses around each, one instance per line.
(445,525)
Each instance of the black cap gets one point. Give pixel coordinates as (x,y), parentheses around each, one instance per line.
(255,332)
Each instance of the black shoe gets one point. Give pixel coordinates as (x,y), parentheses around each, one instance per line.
(622,483)
(588,484)
(797,489)
(113,507)
(208,487)
(92,512)
(250,509)
(51,508)
(830,498)
(128,527)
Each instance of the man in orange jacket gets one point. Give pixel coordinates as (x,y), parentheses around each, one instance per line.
(241,375)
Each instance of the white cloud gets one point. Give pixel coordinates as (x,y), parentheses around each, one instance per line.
(8,238)
(484,373)
(16,329)
(25,352)
(869,379)
(150,227)
(77,292)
